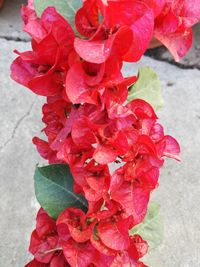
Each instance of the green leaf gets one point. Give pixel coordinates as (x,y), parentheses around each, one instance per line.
(54,189)
(67,8)
(152,228)
(147,87)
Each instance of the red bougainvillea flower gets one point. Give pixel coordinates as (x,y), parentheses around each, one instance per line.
(43,70)
(91,138)
(44,244)
(54,116)
(118,131)
(96,83)
(112,239)
(123,27)
(45,150)
(72,223)
(75,234)
(173,25)
(79,241)
(100,243)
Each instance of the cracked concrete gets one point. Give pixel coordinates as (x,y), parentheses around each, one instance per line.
(11,28)
(16,39)
(20,120)
(18,123)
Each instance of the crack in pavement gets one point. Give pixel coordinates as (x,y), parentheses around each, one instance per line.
(16,39)
(177,64)
(17,125)
(155,54)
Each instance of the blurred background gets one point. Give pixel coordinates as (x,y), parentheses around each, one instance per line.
(20,115)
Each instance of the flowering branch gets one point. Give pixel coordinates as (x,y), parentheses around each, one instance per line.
(103,140)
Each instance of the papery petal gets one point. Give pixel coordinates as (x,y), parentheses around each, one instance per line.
(188,10)
(75,220)
(78,255)
(82,133)
(139,18)
(117,179)
(45,151)
(169,23)
(114,234)
(98,50)
(157,132)
(45,224)
(35,29)
(142,109)
(178,43)
(66,130)
(86,19)
(22,71)
(94,51)
(46,84)
(105,154)
(76,88)
(102,260)
(140,245)
(123,259)
(39,247)
(142,34)
(134,200)
(169,147)
(60,29)
(59,261)
(101,247)
(28,11)
(32,24)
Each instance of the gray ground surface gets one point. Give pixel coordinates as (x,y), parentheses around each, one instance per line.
(179,189)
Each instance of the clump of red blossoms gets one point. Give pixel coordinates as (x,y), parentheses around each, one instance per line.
(89,125)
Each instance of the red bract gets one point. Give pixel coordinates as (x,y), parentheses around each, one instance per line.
(125,29)
(126,134)
(55,113)
(45,150)
(43,70)
(96,83)
(173,25)
(113,240)
(131,197)
(74,240)
(97,242)
(73,223)
(44,244)
(114,235)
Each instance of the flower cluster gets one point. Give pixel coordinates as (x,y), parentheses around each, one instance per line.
(73,241)
(114,149)
(173,25)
